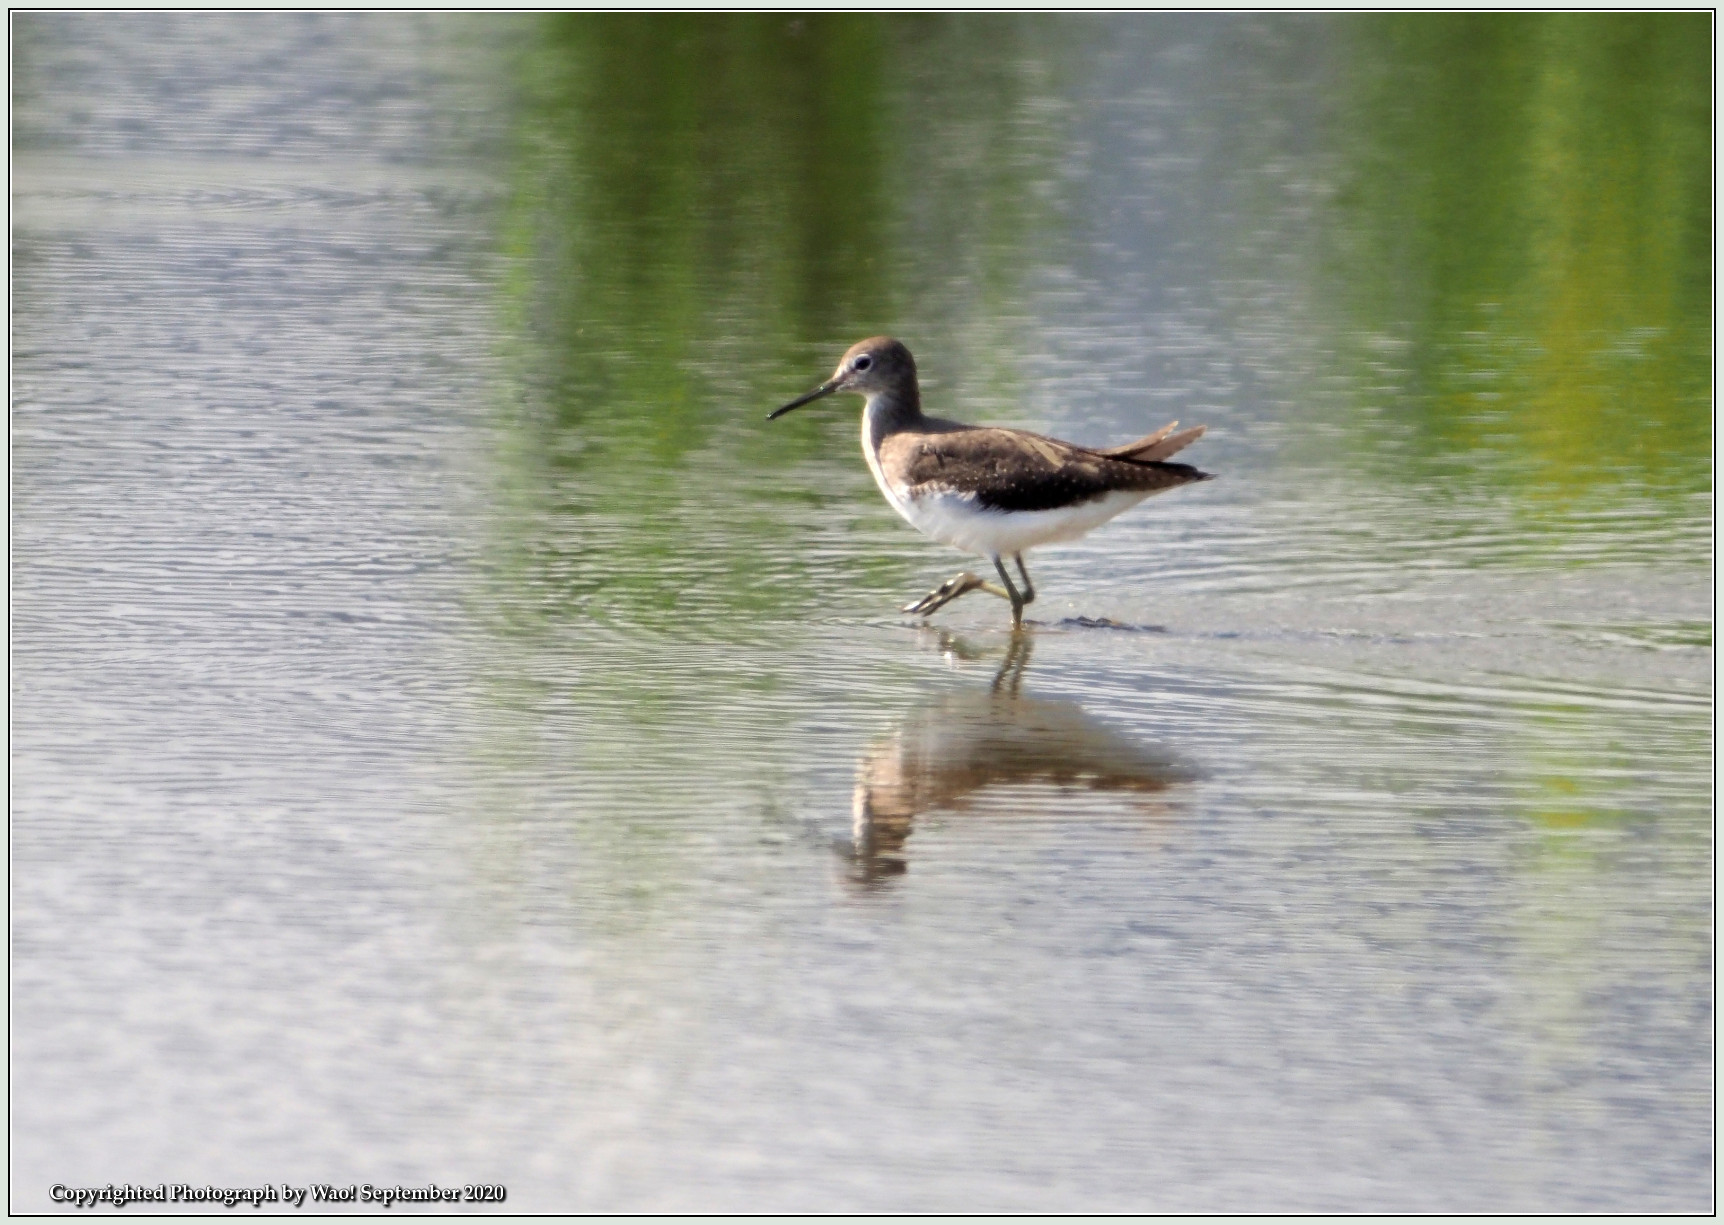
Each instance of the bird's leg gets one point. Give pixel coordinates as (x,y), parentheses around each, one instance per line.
(1029,587)
(950,590)
(1011,593)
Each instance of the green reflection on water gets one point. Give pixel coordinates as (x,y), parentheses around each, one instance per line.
(684,175)
(691,204)
(1523,230)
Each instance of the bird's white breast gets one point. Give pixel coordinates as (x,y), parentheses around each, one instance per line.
(871,425)
(957,520)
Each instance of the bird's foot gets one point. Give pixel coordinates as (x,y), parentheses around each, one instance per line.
(950,590)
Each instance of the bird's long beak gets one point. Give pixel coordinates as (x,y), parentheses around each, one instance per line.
(825,389)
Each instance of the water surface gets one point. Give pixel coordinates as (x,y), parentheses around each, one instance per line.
(457,739)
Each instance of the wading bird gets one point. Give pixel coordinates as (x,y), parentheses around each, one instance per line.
(984,489)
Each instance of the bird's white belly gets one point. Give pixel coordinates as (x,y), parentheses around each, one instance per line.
(959,521)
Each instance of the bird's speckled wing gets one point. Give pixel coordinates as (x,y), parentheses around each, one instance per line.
(1011,470)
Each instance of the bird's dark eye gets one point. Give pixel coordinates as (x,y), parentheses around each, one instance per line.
(862,363)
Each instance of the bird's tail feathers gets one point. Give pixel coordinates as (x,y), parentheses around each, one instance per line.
(1153,448)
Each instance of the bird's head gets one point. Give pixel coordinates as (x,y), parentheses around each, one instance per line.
(876,366)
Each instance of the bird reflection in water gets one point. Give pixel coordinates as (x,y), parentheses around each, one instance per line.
(941,757)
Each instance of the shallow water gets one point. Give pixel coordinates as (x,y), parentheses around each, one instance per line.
(456,739)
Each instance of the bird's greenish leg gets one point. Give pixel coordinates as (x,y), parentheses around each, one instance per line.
(951,589)
(1029,587)
(1011,593)
(966,582)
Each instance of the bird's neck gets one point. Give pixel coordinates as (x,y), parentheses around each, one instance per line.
(888,413)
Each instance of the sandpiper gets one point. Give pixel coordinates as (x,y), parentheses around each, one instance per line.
(987,490)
